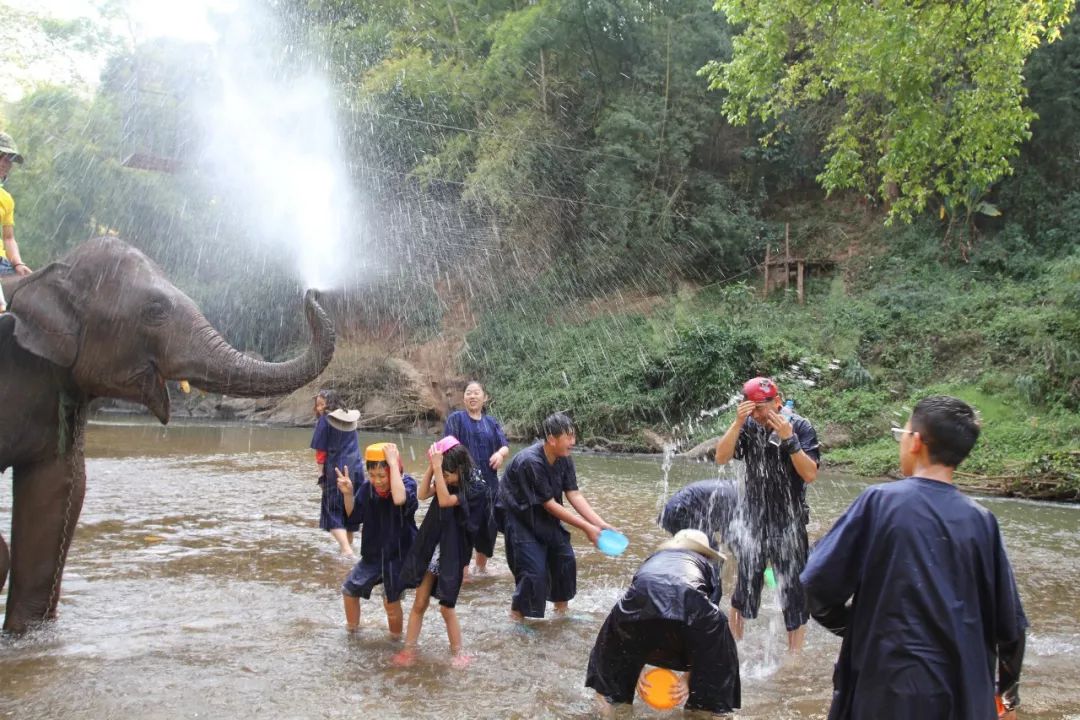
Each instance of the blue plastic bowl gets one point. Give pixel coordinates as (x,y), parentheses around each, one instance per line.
(612,543)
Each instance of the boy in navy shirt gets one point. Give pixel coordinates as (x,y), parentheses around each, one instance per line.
(538,547)
(387,508)
(915,578)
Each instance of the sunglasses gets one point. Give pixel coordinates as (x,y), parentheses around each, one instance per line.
(899,432)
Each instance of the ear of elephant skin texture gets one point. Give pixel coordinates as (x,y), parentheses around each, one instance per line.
(46,319)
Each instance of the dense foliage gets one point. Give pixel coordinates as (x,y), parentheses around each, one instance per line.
(555,164)
(926,100)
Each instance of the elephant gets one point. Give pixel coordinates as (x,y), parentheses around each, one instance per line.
(103,322)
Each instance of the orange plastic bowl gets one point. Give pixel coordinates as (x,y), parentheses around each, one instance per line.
(661,682)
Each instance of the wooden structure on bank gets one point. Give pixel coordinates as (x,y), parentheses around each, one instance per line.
(780,270)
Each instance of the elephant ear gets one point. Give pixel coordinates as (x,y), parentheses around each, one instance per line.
(47,322)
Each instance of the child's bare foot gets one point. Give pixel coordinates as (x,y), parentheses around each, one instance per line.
(461,661)
(796,638)
(352,628)
(405,658)
(735,621)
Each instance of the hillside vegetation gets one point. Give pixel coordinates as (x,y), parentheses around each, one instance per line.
(579,196)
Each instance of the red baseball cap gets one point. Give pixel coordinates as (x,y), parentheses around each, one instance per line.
(760,389)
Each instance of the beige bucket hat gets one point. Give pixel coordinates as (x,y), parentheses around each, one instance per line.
(343,420)
(694,540)
(7,147)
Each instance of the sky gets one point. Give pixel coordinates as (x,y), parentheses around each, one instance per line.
(187,20)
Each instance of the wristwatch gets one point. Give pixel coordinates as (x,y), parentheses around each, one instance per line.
(791,445)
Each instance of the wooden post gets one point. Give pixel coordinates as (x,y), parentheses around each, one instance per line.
(543,84)
(799,281)
(787,256)
(768,259)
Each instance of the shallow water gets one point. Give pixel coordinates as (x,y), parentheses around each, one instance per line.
(198,585)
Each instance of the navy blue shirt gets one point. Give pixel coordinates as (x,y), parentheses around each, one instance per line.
(775,492)
(707,505)
(530,481)
(672,584)
(342,449)
(932,597)
(389,529)
(482,437)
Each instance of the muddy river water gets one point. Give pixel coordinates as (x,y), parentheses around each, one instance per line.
(199,586)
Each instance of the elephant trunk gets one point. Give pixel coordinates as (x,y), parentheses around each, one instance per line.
(215,366)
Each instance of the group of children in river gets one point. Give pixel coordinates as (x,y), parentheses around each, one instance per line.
(913,577)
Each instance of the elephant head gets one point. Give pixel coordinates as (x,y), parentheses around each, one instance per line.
(109,314)
(103,322)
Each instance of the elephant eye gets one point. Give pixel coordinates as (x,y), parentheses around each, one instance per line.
(155,312)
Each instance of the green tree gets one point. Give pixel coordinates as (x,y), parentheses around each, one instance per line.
(929,96)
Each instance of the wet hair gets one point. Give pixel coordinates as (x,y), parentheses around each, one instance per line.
(948,426)
(333,400)
(458,460)
(557,424)
(474,382)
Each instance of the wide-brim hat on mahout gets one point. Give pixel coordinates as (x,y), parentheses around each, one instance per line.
(7,147)
(760,389)
(694,540)
(343,420)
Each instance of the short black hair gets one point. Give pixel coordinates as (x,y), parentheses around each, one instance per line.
(948,426)
(557,424)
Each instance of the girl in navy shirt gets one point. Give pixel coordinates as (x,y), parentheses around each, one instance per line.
(336,446)
(436,564)
(487,444)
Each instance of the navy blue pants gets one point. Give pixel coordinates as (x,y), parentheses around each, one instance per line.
(544,568)
(787,551)
(366,574)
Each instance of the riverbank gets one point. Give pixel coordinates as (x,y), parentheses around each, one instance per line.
(639,373)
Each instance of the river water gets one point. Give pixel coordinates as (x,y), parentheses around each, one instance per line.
(198,585)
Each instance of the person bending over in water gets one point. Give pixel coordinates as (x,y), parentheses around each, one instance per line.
(385,505)
(667,619)
(710,506)
(775,511)
(436,564)
(915,578)
(336,446)
(538,547)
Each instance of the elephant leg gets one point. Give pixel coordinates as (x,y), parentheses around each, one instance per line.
(46,504)
(5,562)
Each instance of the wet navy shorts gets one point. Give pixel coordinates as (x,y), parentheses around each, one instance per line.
(366,574)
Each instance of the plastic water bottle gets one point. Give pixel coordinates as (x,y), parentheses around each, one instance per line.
(786,412)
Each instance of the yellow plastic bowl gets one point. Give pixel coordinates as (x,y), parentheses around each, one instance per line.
(375,452)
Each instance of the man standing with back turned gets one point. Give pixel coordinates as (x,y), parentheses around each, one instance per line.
(933,603)
(781,456)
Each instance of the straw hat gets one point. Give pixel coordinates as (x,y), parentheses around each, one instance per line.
(691,540)
(343,420)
